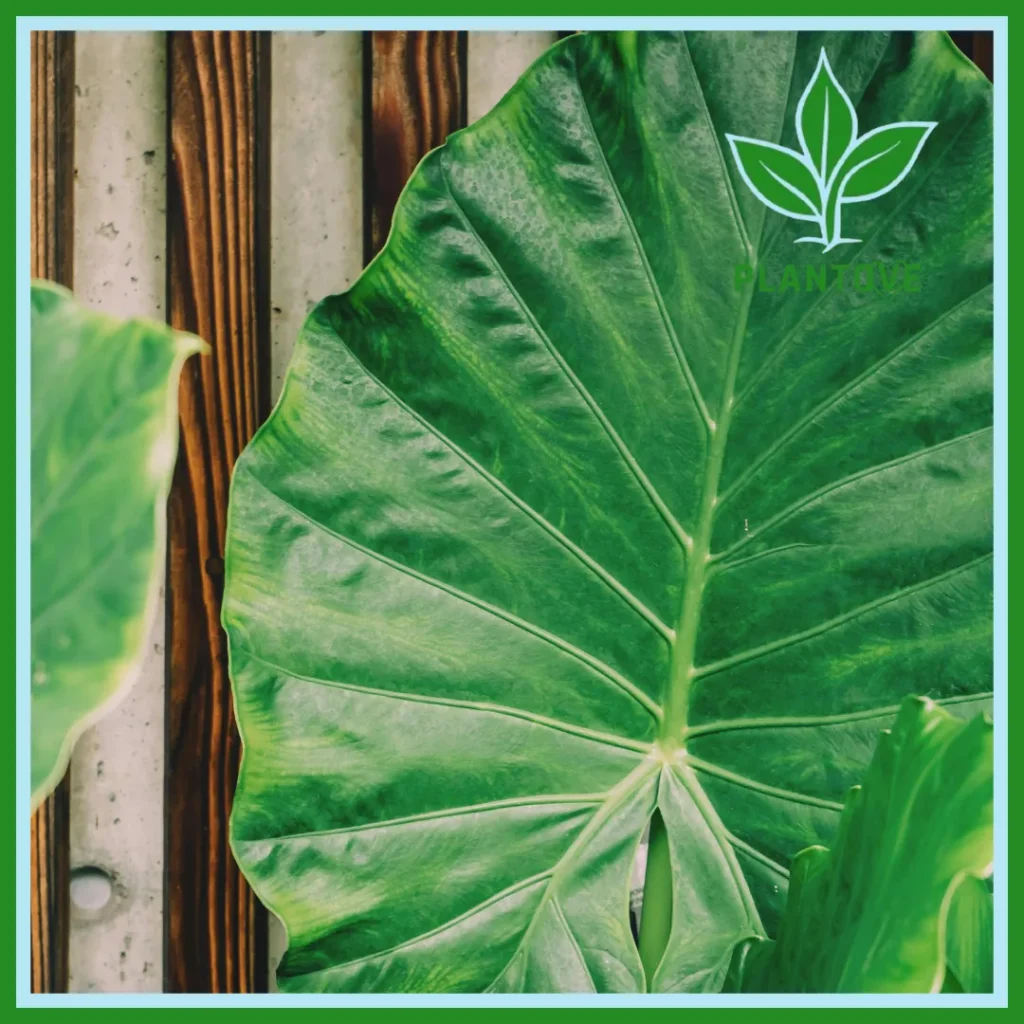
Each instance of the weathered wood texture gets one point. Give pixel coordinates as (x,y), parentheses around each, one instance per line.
(217,287)
(52,240)
(416,97)
(50,868)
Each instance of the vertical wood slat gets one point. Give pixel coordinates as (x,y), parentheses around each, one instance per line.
(52,241)
(981,52)
(416,97)
(217,287)
(977,46)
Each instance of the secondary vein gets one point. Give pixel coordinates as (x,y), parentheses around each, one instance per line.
(592,404)
(541,800)
(595,735)
(761,787)
(600,668)
(815,721)
(834,485)
(612,582)
(823,627)
(652,282)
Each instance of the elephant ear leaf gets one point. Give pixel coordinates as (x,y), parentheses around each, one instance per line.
(872,913)
(557,534)
(104,440)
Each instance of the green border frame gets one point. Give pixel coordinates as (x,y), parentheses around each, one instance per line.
(567,13)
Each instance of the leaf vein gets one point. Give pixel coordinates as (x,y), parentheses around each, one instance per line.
(834,399)
(592,404)
(822,492)
(533,718)
(799,721)
(655,288)
(824,627)
(537,800)
(598,666)
(546,525)
(762,787)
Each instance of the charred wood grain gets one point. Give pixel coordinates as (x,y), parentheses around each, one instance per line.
(52,103)
(218,114)
(415,96)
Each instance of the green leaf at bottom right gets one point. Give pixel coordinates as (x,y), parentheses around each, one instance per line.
(873,914)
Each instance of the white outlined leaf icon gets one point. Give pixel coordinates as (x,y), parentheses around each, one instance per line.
(881,159)
(833,167)
(826,121)
(780,178)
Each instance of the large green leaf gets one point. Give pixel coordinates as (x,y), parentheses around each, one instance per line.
(555,526)
(104,438)
(871,914)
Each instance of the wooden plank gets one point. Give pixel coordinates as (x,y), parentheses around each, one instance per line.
(120,264)
(52,231)
(415,98)
(977,46)
(981,51)
(217,287)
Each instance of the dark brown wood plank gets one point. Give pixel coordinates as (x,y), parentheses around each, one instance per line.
(977,46)
(52,235)
(982,52)
(415,98)
(217,287)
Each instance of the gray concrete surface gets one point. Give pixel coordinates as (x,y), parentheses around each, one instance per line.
(117,771)
(316,178)
(494,61)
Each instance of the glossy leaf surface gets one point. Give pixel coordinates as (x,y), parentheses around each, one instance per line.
(104,439)
(970,938)
(555,526)
(872,913)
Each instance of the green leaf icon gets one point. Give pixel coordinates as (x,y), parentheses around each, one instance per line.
(826,121)
(881,160)
(833,166)
(778,177)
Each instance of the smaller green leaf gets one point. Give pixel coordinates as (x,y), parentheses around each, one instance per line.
(104,439)
(871,915)
(881,160)
(969,934)
(826,120)
(780,178)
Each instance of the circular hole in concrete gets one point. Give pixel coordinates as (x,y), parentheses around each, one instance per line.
(91,888)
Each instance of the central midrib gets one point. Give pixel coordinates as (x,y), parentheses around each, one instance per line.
(659,884)
(672,733)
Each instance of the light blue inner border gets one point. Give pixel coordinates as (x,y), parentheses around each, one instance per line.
(25,25)
(285,23)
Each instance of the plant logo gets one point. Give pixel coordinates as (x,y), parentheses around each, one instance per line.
(835,166)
